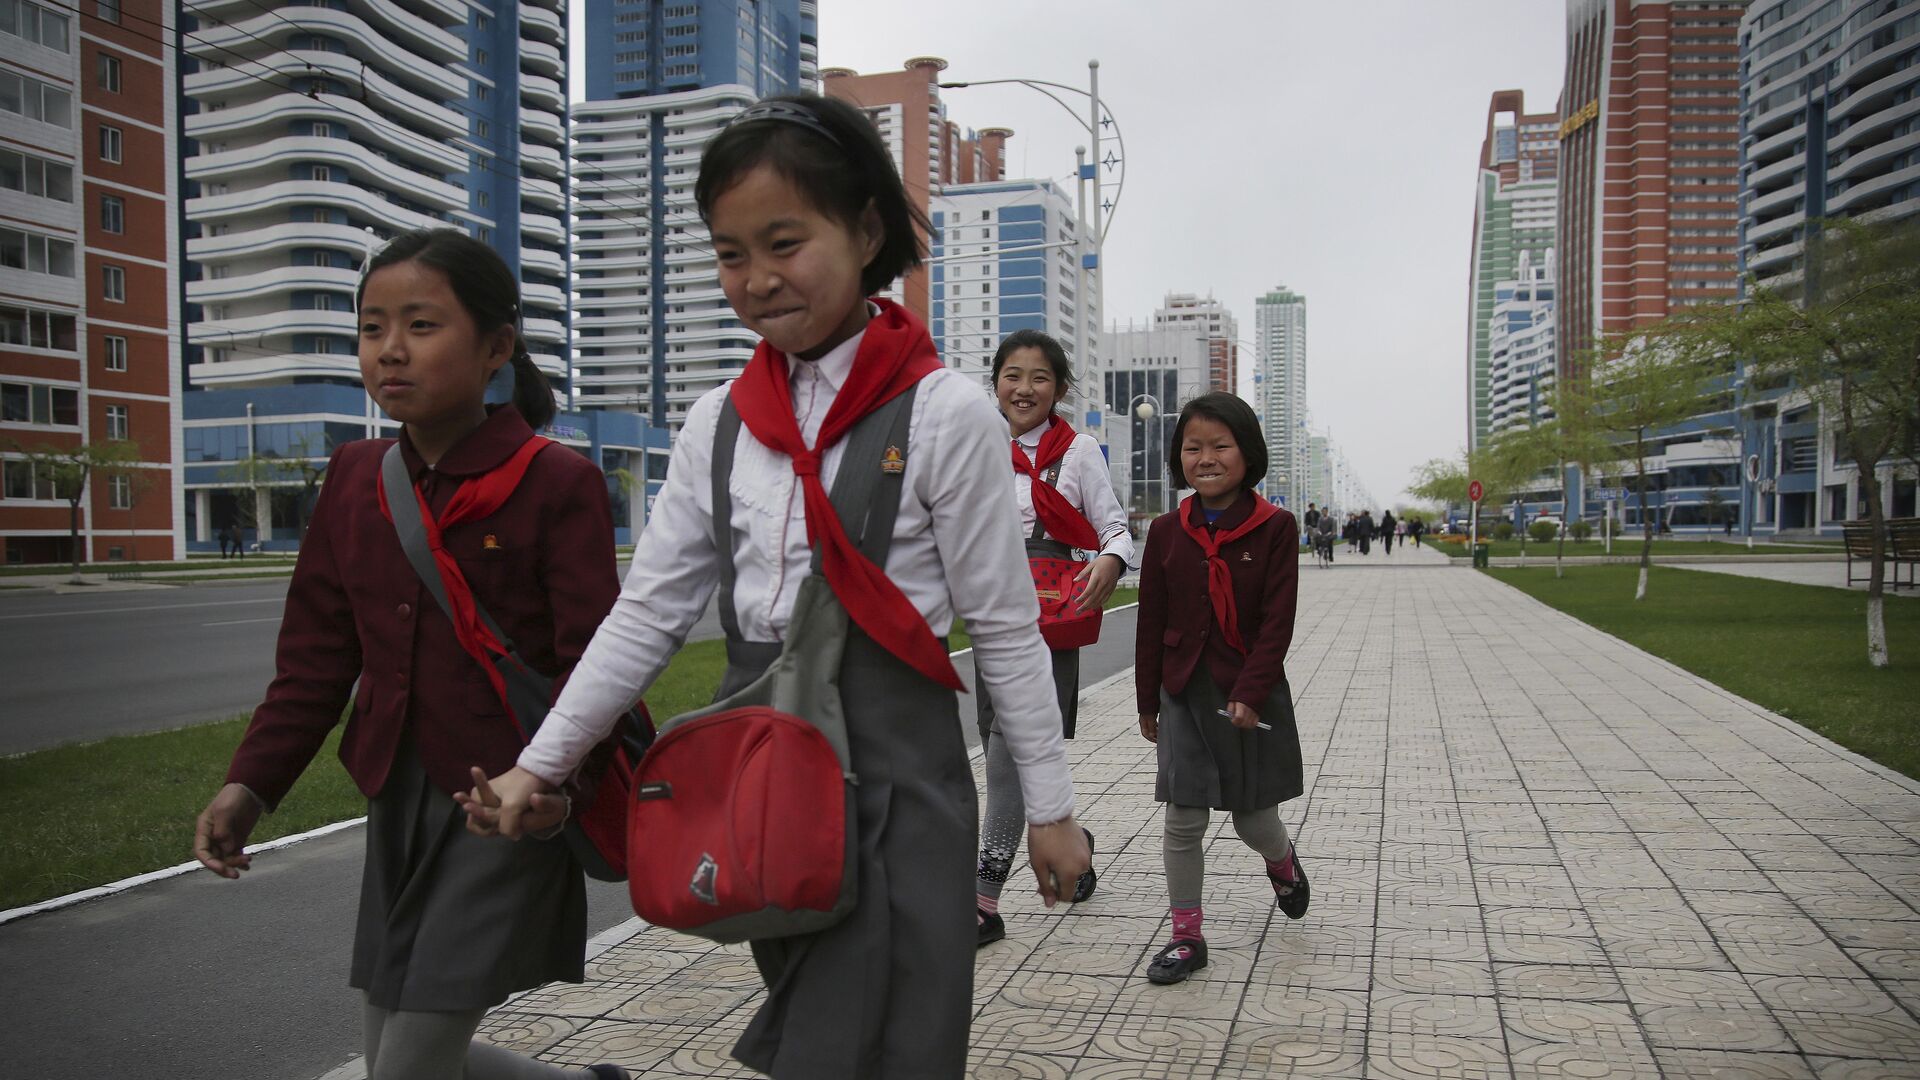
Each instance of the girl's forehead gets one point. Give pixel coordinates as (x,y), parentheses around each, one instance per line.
(1206,427)
(761,196)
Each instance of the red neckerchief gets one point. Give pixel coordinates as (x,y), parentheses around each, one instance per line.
(477,497)
(1219,578)
(895,353)
(1056,514)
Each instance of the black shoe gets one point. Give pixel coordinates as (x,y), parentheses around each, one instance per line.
(1177,961)
(1083,888)
(1291,896)
(609,1072)
(992,929)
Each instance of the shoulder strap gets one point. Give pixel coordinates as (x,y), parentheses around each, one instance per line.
(405,509)
(1052,481)
(868,483)
(726,434)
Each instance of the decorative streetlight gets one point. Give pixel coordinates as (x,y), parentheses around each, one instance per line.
(1146,407)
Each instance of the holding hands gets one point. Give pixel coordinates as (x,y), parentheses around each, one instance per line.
(512,804)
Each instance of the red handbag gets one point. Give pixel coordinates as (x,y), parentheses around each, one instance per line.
(1061,626)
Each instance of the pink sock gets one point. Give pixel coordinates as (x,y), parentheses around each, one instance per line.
(1284,868)
(988,905)
(1186,923)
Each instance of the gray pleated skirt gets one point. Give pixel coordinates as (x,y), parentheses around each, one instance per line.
(1066,689)
(1205,761)
(886,994)
(451,921)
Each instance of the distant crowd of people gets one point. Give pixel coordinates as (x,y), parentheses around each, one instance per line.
(1359,531)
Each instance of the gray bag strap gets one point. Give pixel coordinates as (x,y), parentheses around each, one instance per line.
(1052,480)
(726,435)
(413,540)
(865,472)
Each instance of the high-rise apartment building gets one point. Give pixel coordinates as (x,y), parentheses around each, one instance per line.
(1514,209)
(1222,332)
(930,150)
(88,352)
(1280,331)
(653,330)
(998,266)
(1649,161)
(313,132)
(1830,122)
(1147,374)
(1520,337)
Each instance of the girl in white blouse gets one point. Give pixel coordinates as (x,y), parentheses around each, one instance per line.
(1073,508)
(809,218)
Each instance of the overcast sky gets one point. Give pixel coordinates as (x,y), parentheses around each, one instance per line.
(1325,146)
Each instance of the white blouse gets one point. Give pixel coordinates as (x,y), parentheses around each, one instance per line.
(1085,483)
(957,550)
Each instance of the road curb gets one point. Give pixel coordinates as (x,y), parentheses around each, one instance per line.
(117,887)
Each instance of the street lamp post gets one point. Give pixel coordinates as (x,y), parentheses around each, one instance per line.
(1146,407)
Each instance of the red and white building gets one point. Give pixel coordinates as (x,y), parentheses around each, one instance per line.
(88,278)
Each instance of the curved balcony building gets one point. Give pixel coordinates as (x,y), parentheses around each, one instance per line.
(311,134)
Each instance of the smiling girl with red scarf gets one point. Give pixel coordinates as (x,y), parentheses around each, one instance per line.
(1218,587)
(809,219)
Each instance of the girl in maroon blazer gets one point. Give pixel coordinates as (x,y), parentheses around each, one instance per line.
(450,924)
(1218,586)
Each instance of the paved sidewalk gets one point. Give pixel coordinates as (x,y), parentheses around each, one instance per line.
(1830,574)
(1535,852)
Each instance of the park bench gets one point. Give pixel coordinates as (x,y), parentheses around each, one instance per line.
(1902,549)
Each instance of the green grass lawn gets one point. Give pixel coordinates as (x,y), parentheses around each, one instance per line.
(198,563)
(1630,545)
(85,815)
(1799,650)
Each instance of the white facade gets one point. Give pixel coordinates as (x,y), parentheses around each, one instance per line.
(1280,386)
(646,279)
(993,272)
(320,130)
(1520,338)
(1155,371)
(1221,328)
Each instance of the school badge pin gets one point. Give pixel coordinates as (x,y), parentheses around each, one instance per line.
(893,462)
(490,542)
(1246,556)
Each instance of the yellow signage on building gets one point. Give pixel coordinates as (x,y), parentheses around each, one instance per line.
(1587,113)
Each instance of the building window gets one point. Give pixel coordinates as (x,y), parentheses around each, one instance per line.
(480,57)
(116,421)
(36,253)
(110,143)
(106,70)
(36,100)
(322,130)
(113,214)
(37,329)
(35,23)
(107,10)
(115,354)
(482,92)
(31,403)
(482,129)
(113,283)
(485,199)
(36,176)
(322,173)
(120,489)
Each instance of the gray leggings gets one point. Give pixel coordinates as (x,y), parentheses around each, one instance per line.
(408,1045)
(1004,824)
(1184,847)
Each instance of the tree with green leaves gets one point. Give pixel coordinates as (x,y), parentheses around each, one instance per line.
(1643,384)
(1567,439)
(1846,335)
(70,468)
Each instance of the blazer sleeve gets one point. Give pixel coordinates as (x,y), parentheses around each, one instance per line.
(1266,662)
(316,661)
(578,571)
(1148,652)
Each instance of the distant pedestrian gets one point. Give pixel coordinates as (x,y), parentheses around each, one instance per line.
(1365,528)
(1324,539)
(1218,590)
(239,543)
(1312,520)
(226,539)
(1387,533)
(1417,527)
(1729,525)
(450,924)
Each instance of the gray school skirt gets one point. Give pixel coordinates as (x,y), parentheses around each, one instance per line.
(1066,688)
(1206,761)
(886,994)
(450,921)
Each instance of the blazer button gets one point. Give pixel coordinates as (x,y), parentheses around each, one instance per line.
(405,611)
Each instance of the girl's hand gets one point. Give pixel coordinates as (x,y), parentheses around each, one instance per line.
(1096,582)
(220,834)
(1242,716)
(511,805)
(1058,854)
(1150,727)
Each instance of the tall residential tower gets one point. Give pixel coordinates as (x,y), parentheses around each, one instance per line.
(1280,331)
(1513,219)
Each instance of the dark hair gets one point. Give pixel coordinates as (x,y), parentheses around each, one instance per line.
(487,290)
(840,170)
(1049,348)
(1237,416)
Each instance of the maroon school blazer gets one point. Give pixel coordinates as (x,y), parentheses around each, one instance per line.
(543,565)
(1177,627)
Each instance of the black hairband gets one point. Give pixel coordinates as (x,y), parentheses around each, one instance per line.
(786,112)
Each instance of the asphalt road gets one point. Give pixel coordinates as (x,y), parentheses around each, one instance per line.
(198,978)
(85,666)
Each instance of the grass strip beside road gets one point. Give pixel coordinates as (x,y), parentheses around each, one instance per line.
(1799,650)
(1629,546)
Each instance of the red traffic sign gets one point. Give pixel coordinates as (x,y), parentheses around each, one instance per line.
(1474,491)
